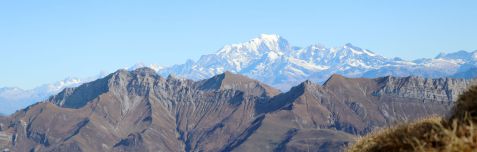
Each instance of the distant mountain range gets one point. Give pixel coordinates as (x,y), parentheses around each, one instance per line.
(141,110)
(273,60)
(13,99)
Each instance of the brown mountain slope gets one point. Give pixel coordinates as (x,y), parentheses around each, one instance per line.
(142,111)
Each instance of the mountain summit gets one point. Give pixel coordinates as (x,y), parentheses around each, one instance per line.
(229,80)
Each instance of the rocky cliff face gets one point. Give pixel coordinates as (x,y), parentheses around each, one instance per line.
(142,111)
(440,90)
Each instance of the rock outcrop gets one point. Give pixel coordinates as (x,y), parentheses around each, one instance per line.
(441,90)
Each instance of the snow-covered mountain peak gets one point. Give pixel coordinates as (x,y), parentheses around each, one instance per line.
(58,86)
(156,67)
(70,80)
(317,47)
(257,46)
(269,37)
(358,51)
(236,57)
(271,59)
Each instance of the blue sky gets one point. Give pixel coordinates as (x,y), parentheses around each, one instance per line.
(46,41)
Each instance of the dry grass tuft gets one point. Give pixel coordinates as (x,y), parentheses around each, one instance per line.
(466,107)
(454,134)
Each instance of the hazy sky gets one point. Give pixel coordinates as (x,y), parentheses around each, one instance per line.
(45,41)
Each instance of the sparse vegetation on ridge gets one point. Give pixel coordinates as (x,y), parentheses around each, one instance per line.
(456,133)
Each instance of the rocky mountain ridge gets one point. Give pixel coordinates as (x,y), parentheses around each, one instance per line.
(142,111)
